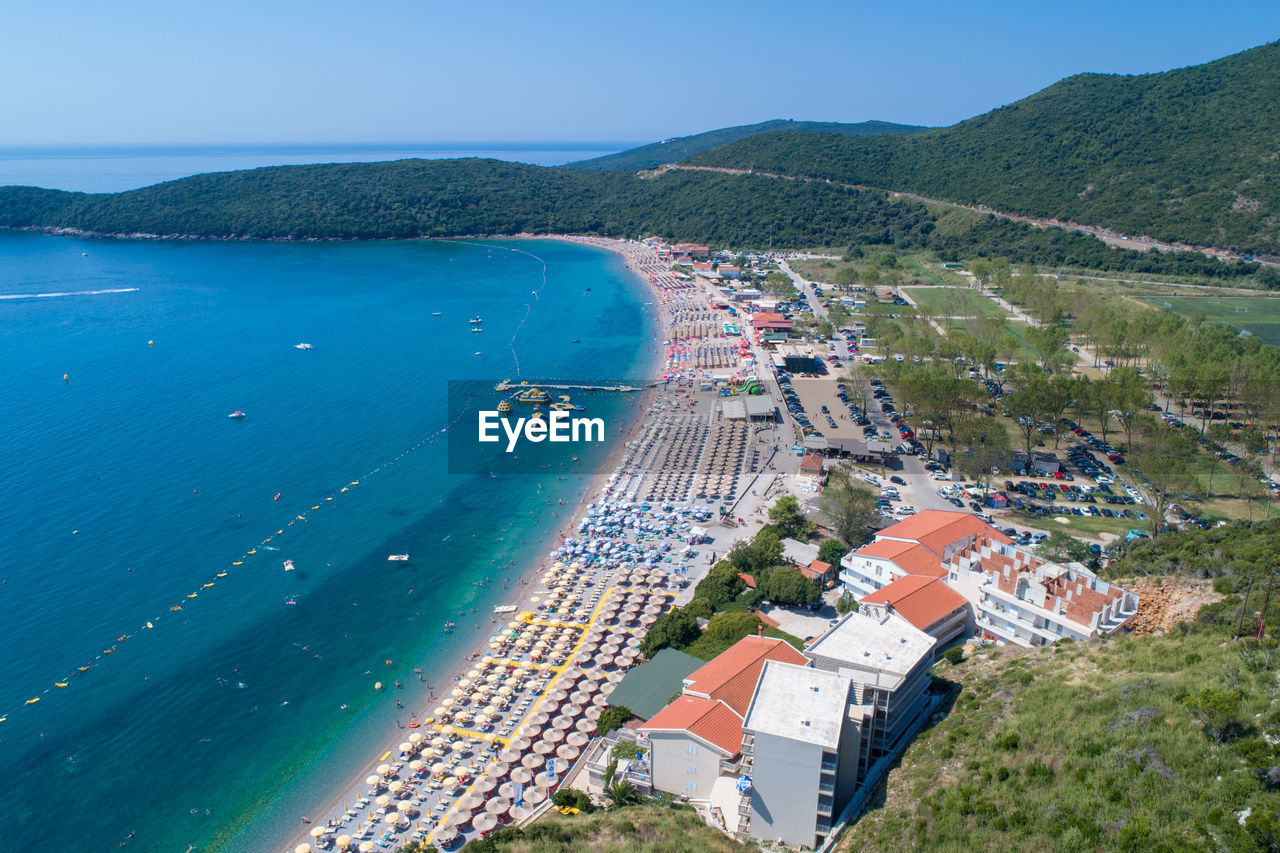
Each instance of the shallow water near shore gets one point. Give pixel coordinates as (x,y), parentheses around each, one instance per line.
(127,489)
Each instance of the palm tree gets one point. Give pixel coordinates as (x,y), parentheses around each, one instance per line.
(621,794)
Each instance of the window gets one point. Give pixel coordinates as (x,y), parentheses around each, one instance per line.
(1022,588)
(692,787)
(693,749)
(692,770)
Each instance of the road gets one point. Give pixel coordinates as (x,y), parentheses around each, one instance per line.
(1106,235)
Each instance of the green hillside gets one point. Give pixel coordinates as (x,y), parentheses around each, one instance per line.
(1187,155)
(678,148)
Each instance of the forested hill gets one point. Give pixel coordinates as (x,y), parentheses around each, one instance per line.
(449,198)
(1187,155)
(671,150)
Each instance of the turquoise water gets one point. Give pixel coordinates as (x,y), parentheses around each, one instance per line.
(127,488)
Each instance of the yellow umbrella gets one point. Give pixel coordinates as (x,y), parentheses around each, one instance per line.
(404,806)
(405,746)
(383,769)
(382,800)
(317,831)
(343,840)
(459,746)
(439,768)
(302,848)
(504,690)
(477,697)
(366,847)
(415,737)
(473,673)
(371,780)
(457,692)
(440,711)
(466,682)
(392,818)
(395,786)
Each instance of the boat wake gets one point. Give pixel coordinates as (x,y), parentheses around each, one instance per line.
(68,293)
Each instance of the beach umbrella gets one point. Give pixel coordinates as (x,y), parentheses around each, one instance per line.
(383,800)
(553,736)
(563,722)
(302,848)
(456,692)
(440,711)
(415,738)
(317,831)
(518,813)
(405,746)
(444,836)
(415,765)
(439,769)
(366,847)
(428,754)
(497,805)
(533,760)
(372,780)
(392,818)
(383,769)
(578,739)
(507,789)
(534,796)
(395,786)
(587,725)
(343,841)
(567,752)
(511,754)
(543,747)
(404,806)
(449,783)
(485,785)
(485,822)
(459,746)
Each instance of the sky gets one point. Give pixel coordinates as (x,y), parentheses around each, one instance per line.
(287,71)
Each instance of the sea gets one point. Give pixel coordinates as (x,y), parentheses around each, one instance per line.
(192,694)
(112,168)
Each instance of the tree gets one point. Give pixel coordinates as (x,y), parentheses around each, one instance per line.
(788,587)
(728,628)
(953,655)
(779,284)
(1028,406)
(613,717)
(1060,547)
(831,550)
(621,794)
(846,603)
(701,608)
(722,584)
(1130,398)
(845,277)
(676,628)
(849,508)
(1048,342)
(786,516)
(1217,710)
(1163,461)
(981,446)
(1098,398)
(859,387)
(574,799)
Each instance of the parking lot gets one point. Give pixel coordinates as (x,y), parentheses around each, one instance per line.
(816,393)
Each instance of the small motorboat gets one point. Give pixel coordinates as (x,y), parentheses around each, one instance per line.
(437,313)
(303,345)
(398,558)
(288,565)
(236,415)
(476,319)
(476,329)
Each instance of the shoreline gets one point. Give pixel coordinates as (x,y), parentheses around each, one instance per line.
(528,575)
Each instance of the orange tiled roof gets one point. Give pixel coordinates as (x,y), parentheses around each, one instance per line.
(936,529)
(920,600)
(912,558)
(709,720)
(816,569)
(731,676)
(811,460)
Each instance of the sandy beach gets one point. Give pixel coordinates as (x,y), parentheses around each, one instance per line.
(495,740)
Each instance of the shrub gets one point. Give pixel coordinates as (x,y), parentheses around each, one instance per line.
(613,718)
(953,655)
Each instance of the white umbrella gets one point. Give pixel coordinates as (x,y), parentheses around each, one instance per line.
(302,848)
(317,831)
(383,769)
(366,847)
(344,841)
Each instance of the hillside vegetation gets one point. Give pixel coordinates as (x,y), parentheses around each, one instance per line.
(447,198)
(1187,155)
(671,150)
(634,829)
(1165,743)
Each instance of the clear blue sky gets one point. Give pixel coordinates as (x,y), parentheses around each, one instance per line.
(81,72)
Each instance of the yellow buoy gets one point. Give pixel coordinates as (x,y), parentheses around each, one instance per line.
(149,625)
(33,701)
(66,377)
(59,684)
(151,343)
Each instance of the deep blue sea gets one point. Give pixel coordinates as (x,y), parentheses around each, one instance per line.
(111,168)
(125,488)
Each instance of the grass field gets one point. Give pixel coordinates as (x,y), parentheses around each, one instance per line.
(1260,317)
(955,301)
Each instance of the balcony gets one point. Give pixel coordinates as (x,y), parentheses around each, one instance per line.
(826,806)
(827,789)
(829,768)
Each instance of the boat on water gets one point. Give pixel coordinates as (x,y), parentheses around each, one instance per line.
(476,329)
(437,313)
(475,320)
(397,558)
(288,565)
(303,345)
(236,415)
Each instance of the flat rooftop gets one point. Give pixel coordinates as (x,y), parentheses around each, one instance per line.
(891,645)
(799,703)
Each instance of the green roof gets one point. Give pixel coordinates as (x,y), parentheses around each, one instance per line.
(647,688)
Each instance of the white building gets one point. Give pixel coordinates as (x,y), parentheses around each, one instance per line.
(887,660)
(802,738)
